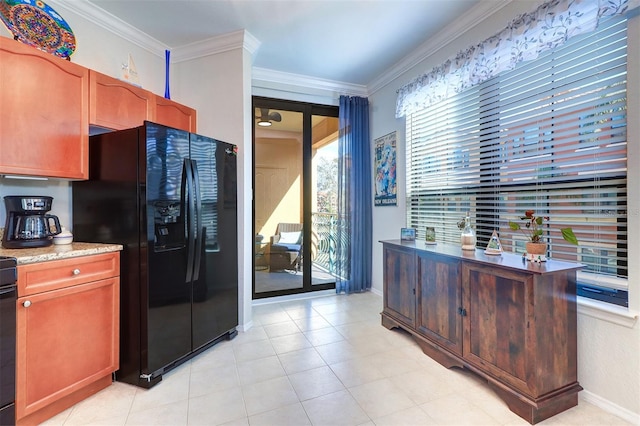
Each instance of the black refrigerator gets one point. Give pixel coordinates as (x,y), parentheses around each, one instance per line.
(169,197)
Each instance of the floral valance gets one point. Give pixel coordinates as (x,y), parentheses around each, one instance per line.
(524,39)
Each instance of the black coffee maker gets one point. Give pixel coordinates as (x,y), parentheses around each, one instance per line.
(28,224)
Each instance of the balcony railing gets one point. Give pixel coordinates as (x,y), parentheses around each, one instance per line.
(324,234)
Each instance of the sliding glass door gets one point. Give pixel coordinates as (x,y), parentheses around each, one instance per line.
(295,191)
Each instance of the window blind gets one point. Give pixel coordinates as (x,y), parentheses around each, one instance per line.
(548,136)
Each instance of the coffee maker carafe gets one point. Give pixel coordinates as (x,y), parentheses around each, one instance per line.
(28,224)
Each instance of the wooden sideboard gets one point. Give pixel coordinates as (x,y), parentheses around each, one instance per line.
(511,321)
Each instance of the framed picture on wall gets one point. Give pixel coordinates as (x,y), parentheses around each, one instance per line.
(385,171)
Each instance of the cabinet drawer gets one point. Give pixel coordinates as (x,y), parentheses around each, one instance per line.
(46,276)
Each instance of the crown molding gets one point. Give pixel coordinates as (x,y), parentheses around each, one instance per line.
(218,44)
(112,24)
(297,80)
(464,23)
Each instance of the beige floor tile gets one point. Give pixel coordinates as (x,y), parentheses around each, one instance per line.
(168,414)
(421,386)
(217,408)
(253,350)
(259,370)
(219,355)
(211,380)
(239,422)
(290,343)
(352,372)
(328,308)
(342,317)
(356,372)
(584,414)
(407,417)
(314,383)
(112,403)
(299,311)
(380,398)
(174,387)
(371,344)
(312,323)
(336,352)
(394,362)
(335,409)
(360,329)
(293,415)
(268,395)
(456,410)
(305,359)
(323,336)
(271,317)
(281,329)
(254,334)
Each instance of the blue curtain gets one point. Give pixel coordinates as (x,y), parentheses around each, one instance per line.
(353,248)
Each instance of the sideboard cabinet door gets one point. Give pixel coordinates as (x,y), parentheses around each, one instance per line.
(439,301)
(400,285)
(498,311)
(521,328)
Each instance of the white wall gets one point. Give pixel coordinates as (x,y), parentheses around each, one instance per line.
(219,88)
(608,344)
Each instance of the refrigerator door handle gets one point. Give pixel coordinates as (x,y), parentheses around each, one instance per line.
(199,225)
(190,216)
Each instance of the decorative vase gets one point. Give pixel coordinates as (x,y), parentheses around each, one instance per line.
(468,236)
(536,251)
(167,62)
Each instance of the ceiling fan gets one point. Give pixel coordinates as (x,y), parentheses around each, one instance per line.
(266,117)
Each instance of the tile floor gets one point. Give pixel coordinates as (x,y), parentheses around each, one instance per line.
(321,361)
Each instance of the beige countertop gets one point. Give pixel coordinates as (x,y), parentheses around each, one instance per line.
(55,252)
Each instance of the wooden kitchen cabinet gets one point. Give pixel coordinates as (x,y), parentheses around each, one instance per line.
(67,333)
(117,105)
(173,114)
(511,322)
(44,107)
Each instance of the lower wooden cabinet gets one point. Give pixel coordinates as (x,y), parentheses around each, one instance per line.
(511,322)
(67,335)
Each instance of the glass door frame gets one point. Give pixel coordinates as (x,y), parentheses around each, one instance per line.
(308,110)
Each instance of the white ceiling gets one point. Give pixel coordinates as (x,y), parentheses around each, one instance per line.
(348,41)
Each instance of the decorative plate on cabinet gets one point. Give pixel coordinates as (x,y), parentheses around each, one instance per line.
(35,23)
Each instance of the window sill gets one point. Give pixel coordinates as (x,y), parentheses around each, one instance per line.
(607,312)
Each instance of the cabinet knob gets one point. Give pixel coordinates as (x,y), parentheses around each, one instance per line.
(76,271)
(26,303)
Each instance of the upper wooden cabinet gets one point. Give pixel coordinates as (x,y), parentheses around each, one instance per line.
(118,105)
(44,108)
(175,115)
(47,104)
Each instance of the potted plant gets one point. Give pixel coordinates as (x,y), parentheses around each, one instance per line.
(532,228)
